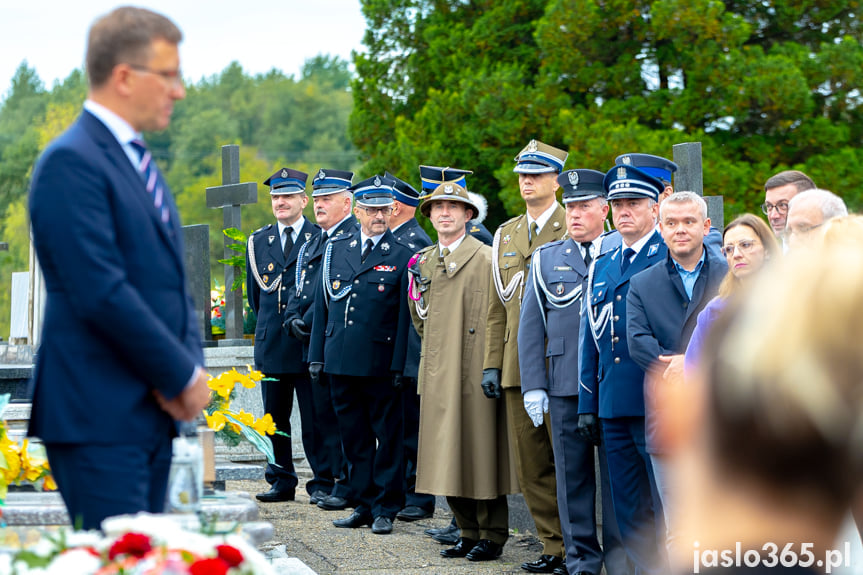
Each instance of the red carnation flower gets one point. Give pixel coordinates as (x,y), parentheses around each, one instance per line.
(135,544)
(214,566)
(230,555)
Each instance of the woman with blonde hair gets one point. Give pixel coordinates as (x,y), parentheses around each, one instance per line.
(747,244)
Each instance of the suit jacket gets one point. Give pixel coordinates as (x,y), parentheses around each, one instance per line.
(611,382)
(275,350)
(415,238)
(302,297)
(660,317)
(361,320)
(119,321)
(513,255)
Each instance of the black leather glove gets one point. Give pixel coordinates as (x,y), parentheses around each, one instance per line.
(491,383)
(298,328)
(398,380)
(315,370)
(588,428)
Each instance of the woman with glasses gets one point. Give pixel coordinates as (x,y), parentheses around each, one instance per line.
(747,243)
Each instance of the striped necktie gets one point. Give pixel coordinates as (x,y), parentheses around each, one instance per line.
(152,179)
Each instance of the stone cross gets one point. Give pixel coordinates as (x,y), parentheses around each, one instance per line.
(230,196)
(690,178)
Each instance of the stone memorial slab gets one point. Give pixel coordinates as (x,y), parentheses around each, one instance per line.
(19,303)
(196,240)
(690,178)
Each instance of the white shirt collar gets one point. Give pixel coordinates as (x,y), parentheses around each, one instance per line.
(375,239)
(543,217)
(637,245)
(295,228)
(122,131)
(453,246)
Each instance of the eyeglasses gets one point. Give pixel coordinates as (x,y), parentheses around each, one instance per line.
(803,231)
(173,78)
(781,207)
(374,211)
(745,246)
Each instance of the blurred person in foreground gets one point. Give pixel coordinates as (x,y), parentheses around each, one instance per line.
(807,213)
(747,244)
(120,360)
(767,437)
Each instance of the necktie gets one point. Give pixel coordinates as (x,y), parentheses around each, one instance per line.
(152,180)
(627,257)
(588,248)
(367,249)
(534,230)
(289,242)
(444,252)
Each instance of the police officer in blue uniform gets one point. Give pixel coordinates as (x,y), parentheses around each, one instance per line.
(332,202)
(433,176)
(611,382)
(359,337)
(271,257)
(408,231)
(548,357)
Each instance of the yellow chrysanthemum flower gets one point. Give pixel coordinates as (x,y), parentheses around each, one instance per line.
(245,418)
(255,375)
(221,385)
(10,452)
(265,425)
(217,421)
(50,484)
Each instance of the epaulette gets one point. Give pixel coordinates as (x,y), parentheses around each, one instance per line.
(510,221)
(266,227)
(340,237)
(549,244)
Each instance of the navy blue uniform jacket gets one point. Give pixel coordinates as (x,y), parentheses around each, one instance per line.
(275,350)
(364,333)
(119,321)
(415,238)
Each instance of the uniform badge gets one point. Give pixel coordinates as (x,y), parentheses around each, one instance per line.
(506,239)
(555,225)
(621,173)
(451,267)
(474,229)
(377,181)
(562,268)
(321,175)
(509,255)
(531,147)
(569,250)
(447,189)
(385,268)
(560,289)
(385,247)
(626,160)
(308,235)
(381,287)
(336,284)
(413,234)
(423,260)
(284,173)
(265,278)
(653,249)
(573,179)
(271,239)
(411,246)
(270,267)
(353,244)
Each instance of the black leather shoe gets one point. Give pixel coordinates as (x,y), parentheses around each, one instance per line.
(413,513)
(356,519)
(448,538)
(333,503)
(545,564)
(562,571)
(316,496)
(450,529)
(275,494)
(382,525)
(485,550)
(461,549)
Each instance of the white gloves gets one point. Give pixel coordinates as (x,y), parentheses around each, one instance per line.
(536,403)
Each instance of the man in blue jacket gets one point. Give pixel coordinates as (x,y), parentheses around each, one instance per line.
(120,360)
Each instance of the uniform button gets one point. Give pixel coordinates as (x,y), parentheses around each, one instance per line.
(471,330)
(351,308)
(389,338)
(685,304)
(617,298)
(304,297)
(284,305)
(350,322)
(308,282)
(616,360)
(284,288)
(615,339)
(356,281)
(353,295)
(616,318)
(311,266)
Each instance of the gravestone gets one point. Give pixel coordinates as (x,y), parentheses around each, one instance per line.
(4,247)
(230,196)
(19,307)
(196,239)
(690,178)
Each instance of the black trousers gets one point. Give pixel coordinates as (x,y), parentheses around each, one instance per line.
(369,413)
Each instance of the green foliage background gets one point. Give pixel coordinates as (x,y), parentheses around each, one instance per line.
(277,120)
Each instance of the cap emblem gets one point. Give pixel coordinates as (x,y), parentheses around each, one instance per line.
(573,179)
(448,189)
(626,160)
(621,173)
(531,147)
(284,173)
(377,182)
(321,175)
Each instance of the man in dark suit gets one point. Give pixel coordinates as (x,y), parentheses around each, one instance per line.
(611,382)
(359,338)
(405,227)
(120,360)
(332,201)
(662,307)
(271,259)
(547,358)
